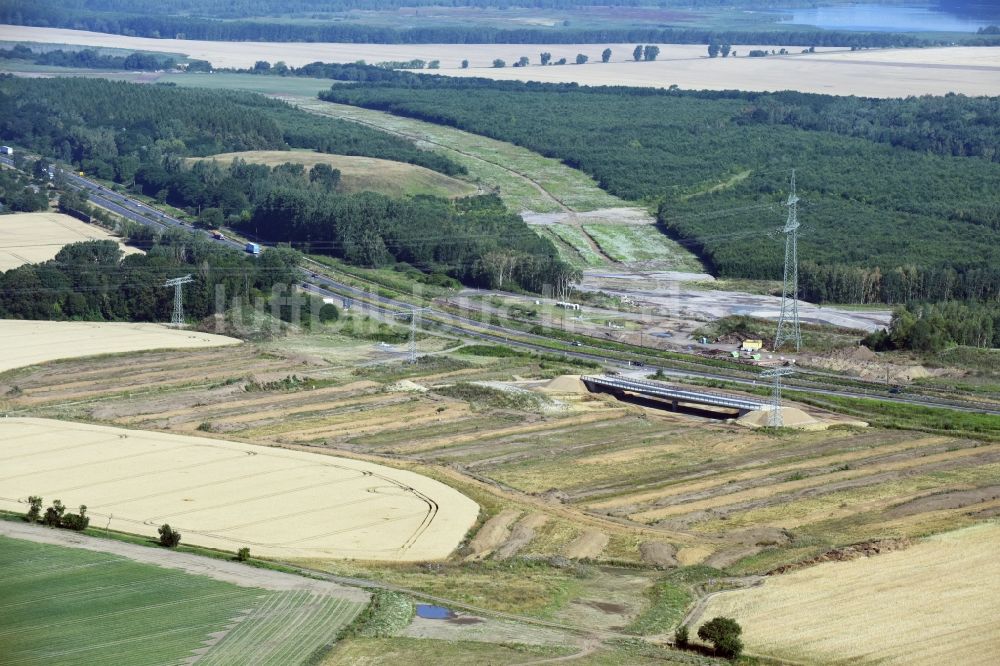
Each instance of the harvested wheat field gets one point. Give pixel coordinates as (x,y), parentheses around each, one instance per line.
(30,342)
(358,174)
(30,238)
(890,73)
(936,602)
(226,495)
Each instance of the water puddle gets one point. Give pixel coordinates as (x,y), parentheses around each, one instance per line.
(429,612)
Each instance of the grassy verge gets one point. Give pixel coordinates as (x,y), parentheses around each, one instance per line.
(386,615)
(432,652)
(908,417)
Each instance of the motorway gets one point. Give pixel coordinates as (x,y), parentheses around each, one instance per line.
(324,286)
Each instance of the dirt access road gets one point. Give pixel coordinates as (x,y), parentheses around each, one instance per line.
(222,570)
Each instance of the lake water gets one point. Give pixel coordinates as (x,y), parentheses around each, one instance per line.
(882,18)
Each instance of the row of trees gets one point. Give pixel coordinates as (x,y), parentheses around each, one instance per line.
(839,283)
(89,58)
(130,20)
(932,327)
(55,515)
(865,203)
(93,281)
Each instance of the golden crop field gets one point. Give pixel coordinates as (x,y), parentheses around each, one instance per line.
(29,342)
(933,603)
(228,495)
(358,174)
(891,73)
(30,238)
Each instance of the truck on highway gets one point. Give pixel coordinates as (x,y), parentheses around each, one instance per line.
(6,150)
(217,235)
(253,248)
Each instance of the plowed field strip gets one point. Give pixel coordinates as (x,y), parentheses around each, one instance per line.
(389,421)
(444,442)
(139,364)
(730,484)
(786,487)
(269,399)
(700,479)
(183,377)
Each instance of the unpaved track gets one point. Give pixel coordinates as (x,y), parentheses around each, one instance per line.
(228,572)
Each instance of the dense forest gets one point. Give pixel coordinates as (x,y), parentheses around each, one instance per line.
(128,19)
(89,58)
(110,129)
(719,179)
(93,281)
(138,135)
(475,240)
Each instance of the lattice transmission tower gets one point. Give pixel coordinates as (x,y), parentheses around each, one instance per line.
(177,319)
(414,315)
(788,320)
(775,420)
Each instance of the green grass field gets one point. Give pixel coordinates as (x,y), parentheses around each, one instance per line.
(632,243)
(267,85)
(68,606)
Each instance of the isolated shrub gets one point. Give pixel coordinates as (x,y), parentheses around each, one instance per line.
(168,537)
(76,521)
(243,554)
(681,637)
(54,514)
(724,634)
(34,509)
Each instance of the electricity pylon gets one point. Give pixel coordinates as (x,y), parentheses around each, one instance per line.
(414,315)
(775,420)
(178,317)
(788,320)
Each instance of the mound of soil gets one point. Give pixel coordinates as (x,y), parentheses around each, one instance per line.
(847,553)
(958,499)
(565,384)
(588,545)
(520,536)
(791,417)
(406,386)
(658,554)
(492,533)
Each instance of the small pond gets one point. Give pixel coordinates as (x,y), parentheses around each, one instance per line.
(430,612)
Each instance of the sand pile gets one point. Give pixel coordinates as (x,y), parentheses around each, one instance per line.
(406,386)
(791,417)
(865,364)
(564,384)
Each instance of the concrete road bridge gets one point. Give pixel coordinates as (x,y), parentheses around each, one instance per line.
(667,396)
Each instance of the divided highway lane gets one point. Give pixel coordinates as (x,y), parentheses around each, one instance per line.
(322,285)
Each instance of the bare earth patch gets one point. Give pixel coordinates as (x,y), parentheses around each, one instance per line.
(936,602)
(227,495)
